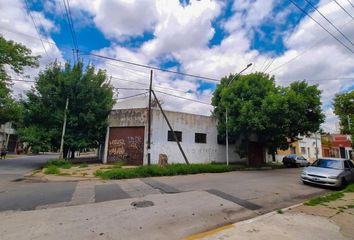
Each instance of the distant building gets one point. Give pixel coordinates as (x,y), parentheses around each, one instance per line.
(337,145)
(306,146)
(8,137)
(127,134)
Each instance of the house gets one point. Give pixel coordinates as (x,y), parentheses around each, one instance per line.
(337,145)
(8,137)
(306,146)
(127,134)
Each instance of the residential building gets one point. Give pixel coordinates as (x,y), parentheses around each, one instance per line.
(8,137)
(306,146)
(127,135)
(337,145)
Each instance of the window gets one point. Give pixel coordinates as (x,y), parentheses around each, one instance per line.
(171,138)
(200,138)
(293,150)
(351,164)
(303,150)
(346,164)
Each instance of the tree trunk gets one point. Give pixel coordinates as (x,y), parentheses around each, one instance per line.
(72,154)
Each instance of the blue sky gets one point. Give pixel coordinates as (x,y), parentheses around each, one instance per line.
(208,37)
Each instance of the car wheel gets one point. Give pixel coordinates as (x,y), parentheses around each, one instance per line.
(298,165)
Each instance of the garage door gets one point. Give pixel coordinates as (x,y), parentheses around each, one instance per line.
(126,144)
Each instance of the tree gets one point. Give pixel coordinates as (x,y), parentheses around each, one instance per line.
(257,108)
(90,101)
(344,109)
(16,57)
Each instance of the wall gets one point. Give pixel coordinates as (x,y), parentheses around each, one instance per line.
(307,143)
(188,124)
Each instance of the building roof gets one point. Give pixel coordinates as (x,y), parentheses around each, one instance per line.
(137,102)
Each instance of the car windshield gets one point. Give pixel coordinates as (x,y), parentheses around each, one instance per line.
(328,163)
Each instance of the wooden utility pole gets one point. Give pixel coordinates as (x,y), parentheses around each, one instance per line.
(171,129)
(64,128)
(149,121)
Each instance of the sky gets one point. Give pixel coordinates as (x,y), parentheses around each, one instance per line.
(210,38)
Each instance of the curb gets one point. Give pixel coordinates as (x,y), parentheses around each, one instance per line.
(228,226)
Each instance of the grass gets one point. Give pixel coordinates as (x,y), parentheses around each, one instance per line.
(280,211)
(52,170)
(59,163)
(329,197)
(83,165)
(169,170)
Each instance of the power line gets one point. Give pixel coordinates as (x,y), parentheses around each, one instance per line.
(150,67)
(135,95)
(189,99)
(303,52)
(296,5)
(343,9)
(351,4)
(317,10)
(71,26)
(35,26)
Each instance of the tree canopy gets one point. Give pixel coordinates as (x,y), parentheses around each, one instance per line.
(16,57)
(257,108)
(344,109)
(90,101)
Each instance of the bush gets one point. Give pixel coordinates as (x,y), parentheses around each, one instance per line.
(52,170)
(59,163)
(170,170)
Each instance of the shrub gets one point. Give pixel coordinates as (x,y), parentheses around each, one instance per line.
(170,170)
(52,170)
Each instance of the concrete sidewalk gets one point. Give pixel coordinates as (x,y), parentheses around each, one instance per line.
(328,221)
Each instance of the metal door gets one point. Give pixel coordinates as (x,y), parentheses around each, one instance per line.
(126,144)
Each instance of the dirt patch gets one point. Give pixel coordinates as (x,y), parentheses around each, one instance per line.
(339,211)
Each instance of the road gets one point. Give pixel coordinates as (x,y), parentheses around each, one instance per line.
(14,168)
(180,205)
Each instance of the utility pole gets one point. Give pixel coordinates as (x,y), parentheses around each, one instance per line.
(226,127)
(349,122)
(171,129)
(149,122)
(316,146)
(64,128)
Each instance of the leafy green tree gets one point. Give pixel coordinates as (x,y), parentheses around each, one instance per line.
(344,109)
(16,57)
(90,101)
(271,114)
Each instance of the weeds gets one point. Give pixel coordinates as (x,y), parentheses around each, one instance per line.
(52,169)
(330,197)
(59,163)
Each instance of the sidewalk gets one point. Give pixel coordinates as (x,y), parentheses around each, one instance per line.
(332,220)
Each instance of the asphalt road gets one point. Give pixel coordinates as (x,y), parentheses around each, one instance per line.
(179,206)
(259,191)
(14,168)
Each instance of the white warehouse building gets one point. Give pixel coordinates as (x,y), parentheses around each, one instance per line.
(127,134)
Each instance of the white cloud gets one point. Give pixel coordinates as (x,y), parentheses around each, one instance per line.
(183,31)
(16,25)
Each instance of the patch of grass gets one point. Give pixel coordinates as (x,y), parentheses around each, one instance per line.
(280,211)
(169,170)
(330,197)
(350,206)
(59,163)
(52,170)
(326,198)
(84,174)
(64,174)
(118,164)
(83,165)
(349,188)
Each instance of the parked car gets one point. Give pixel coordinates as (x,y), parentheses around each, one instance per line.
(295,161)
(336,172)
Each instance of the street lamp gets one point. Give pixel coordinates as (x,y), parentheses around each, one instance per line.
(227,131)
